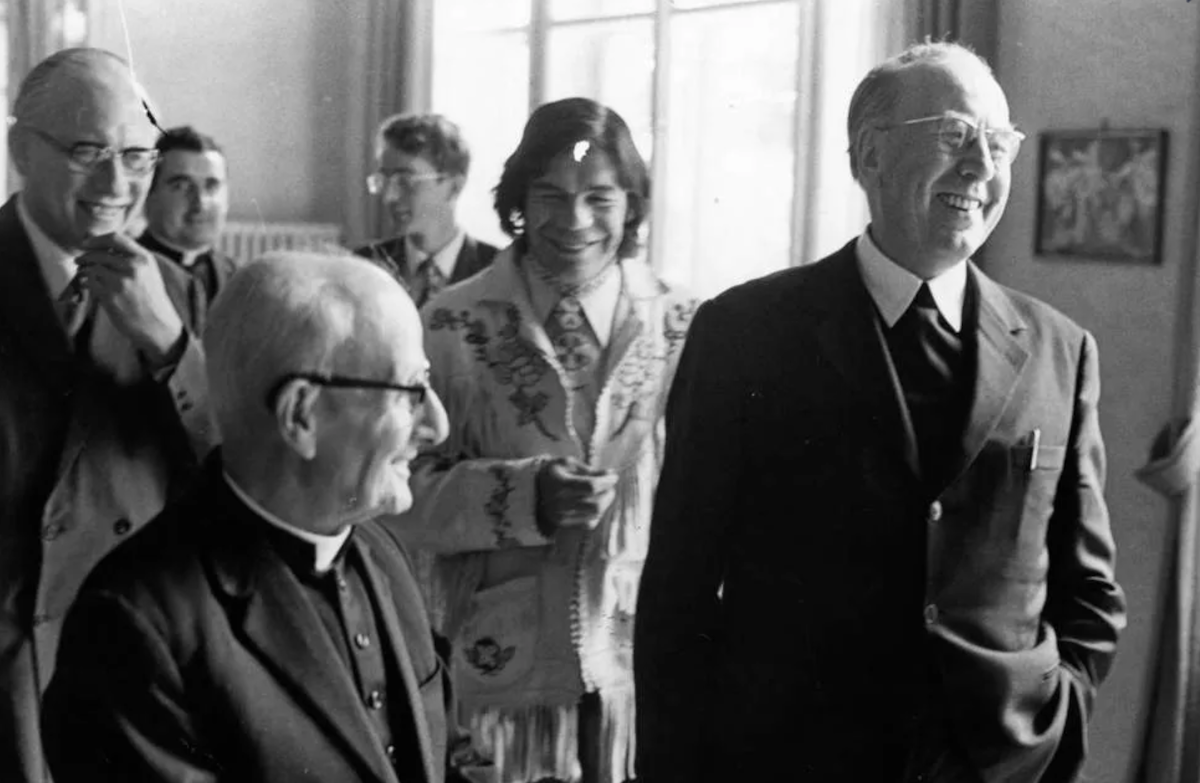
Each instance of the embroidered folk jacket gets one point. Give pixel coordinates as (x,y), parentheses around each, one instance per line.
(535,622)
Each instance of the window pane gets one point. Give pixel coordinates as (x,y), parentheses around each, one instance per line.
(683,5)
(465,15)
(730,146)
(584,9)
(609,62)
(481,82)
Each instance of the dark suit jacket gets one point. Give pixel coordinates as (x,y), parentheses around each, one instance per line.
(84,461)
(475,256)
(193,654)
(808,611)
(209,273)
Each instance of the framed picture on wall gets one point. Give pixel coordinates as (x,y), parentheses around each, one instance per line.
(1100,194)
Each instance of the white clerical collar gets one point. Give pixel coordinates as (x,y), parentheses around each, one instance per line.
(444,258)
(186,257)
(56,264)
(326,547)
(599,302)
(893,287)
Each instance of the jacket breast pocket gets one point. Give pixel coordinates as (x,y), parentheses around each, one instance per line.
(1034,478)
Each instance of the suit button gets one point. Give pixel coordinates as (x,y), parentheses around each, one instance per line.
(51,532)
(374,700)
(391,753)
(122,526)
(935,511)
(931,614)
(362,641)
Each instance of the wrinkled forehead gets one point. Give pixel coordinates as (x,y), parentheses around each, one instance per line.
(93,98)
(957,85)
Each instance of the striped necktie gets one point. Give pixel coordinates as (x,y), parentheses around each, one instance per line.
(73,307)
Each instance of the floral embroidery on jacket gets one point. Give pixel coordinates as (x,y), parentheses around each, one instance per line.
(516,362)
(497,506)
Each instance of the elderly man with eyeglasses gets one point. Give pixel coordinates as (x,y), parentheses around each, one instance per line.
(265,628)
(422,162)
(880,549)
(103,407)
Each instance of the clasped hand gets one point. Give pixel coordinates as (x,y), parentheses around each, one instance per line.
(572,494)
(125,280)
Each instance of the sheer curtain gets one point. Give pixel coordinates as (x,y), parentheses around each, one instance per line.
(389,65)
(1170,750)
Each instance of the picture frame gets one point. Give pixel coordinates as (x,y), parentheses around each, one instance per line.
(1100,194)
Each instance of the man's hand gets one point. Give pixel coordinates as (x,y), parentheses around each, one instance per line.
(126,281)
(571,494)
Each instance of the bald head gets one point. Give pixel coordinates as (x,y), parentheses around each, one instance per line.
(73,99)
(299,312)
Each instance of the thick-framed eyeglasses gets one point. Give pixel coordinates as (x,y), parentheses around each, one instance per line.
(405,181)
(419,393)
(955,134)
(84,156)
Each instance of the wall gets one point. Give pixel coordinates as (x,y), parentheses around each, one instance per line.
(1073,64)
(266,78)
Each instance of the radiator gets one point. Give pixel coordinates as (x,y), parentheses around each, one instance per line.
(245,240)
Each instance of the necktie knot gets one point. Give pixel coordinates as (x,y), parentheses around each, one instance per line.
(72,307)
(429,281)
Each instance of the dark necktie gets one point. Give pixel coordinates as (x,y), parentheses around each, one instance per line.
(73,307)
(929,355)
(428,283)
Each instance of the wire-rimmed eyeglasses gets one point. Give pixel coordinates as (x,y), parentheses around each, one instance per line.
(83,156)
(407,181)
(956,134)
(419,393)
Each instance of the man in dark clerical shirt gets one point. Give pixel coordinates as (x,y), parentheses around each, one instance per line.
(268,629)
(187,205)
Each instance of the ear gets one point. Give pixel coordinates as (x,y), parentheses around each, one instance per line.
(457,183)
(18,149)
(867,146)
(296,417)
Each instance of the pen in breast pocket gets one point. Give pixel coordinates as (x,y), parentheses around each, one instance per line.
(1033,452)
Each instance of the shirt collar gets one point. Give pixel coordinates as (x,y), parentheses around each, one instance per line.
(599,303)
(893,287)
(185,257)
(326,548)
(444,258)
(57,265)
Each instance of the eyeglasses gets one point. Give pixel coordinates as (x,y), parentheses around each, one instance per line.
(406,181)
(342,382)
(954,135)
(84,156)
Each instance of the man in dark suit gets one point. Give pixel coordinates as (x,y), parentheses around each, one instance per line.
(102,393)
(880,549)
(266,628)
(422,162)
(187,205)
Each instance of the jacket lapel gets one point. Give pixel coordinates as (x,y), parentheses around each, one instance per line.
(279,625)
(850,337)
(399,644)
(1002,354)
(467,262)
(27,318)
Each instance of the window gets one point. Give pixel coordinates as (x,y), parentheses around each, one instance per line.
(719,95)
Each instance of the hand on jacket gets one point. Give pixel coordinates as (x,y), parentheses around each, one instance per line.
(571,494)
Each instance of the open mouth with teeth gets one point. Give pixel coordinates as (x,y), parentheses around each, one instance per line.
(102,211)
(960,203)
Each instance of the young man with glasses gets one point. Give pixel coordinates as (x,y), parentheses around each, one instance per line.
(102,391)
(265,628)
(880,549)
(422,163)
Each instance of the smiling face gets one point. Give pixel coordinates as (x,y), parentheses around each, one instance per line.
(189,201)
(422,210)
(575,213)
(91,102)
(931,208)
(374,434)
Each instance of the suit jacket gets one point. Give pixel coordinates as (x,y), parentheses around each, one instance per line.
(84,461)
(475,256)
(209,273)
(193,654)
(811,610)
